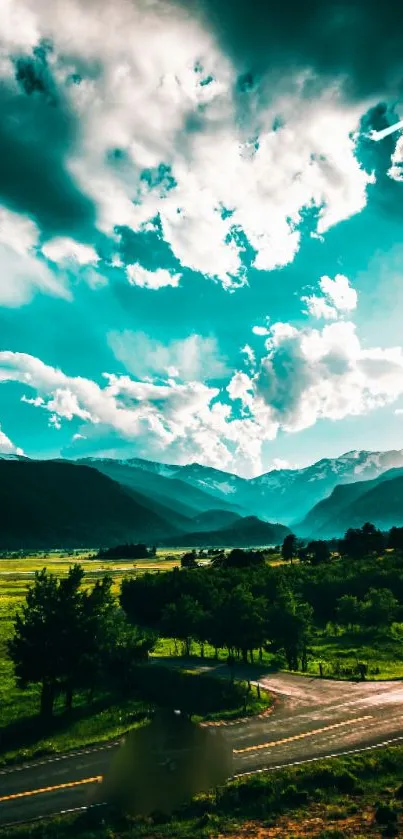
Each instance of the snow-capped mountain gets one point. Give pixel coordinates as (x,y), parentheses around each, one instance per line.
(284,495)
(288,494)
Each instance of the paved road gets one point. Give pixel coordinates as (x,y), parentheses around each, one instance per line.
(313,718)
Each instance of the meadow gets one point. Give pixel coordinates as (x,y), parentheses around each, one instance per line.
(333,651)
(105,720)
(21,736)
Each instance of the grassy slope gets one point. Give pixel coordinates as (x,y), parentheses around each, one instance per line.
(335,799)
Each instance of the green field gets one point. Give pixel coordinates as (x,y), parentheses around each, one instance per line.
(86,725)
(105,718)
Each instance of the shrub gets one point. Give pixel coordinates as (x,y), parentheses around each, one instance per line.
(385,814)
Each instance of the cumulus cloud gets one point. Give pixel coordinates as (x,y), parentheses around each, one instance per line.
(309,374)
(6,446)
(306,375)
(63,249)
(177,421)
(190,359)
(109,135)
(338,297)
(160,278)
(23,273)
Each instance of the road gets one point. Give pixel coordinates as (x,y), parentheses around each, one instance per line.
(313,718)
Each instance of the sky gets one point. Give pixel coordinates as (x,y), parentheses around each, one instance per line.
(201,247)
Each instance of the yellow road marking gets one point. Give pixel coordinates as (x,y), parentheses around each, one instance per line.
(97,779)
(301,736)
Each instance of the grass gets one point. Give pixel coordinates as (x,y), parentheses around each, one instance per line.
(381,651)
(360,796)
(19,734)
(21,737)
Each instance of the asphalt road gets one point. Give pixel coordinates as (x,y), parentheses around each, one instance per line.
(313,718)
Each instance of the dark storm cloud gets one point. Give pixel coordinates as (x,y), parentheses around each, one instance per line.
(37,133)
(360,41)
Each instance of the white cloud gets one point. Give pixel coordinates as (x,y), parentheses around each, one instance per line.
(160,278)
(249,355)
(280,463)
(63,249)
(177,421)
(260,330)
(190,359)
(151,104)
(338,298)
(22,273)
(309,374)
(6,446)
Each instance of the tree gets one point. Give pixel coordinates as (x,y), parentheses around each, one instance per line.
(395,539)
(317,552)
(289,624)
(45,647)
(349,611)
(238,558)
(362,541)
(61,635)
(188,560)
(289,547)
(180,620)
(380,607)
(242,618)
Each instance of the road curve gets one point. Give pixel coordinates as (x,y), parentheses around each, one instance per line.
(313,718)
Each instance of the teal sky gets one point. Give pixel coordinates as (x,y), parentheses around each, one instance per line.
(201,250)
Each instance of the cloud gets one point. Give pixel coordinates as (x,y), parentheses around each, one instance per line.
(6,446)
(110,136)
(338,298)
(332,40)
(23,273)
(306,375)
(280,463)
(260,330)
(63,249)
(38,130)
(160,278)
(173,421)
(309,374)
(191,359)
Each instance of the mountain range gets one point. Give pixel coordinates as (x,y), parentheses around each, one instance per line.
(285,495)
(379,501)
(102,501)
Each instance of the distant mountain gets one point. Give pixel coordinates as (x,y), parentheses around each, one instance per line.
(284,495)
(351,505)
(215,520)
(244,532)
(288,494)
(48,504)
(160,482)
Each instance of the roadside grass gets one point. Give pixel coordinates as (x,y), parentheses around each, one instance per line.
(360,796)
(105,719)
(381,651)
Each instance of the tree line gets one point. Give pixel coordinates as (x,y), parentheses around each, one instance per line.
(71,637)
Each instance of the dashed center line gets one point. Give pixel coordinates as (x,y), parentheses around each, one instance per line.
(95,779)
(301,736)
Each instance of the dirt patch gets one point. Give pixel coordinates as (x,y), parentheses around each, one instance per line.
(319,820)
